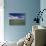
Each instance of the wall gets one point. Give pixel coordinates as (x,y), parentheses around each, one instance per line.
(43,6)
(14,33)
(1,21)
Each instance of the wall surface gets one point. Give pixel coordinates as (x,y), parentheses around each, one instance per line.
(1,21)
(29,7)
(43,6)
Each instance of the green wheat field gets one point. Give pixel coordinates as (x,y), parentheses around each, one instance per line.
(16,22)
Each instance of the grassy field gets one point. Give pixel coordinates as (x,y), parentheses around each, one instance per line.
(16,22)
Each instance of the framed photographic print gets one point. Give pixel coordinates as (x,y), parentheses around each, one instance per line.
(17,18)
